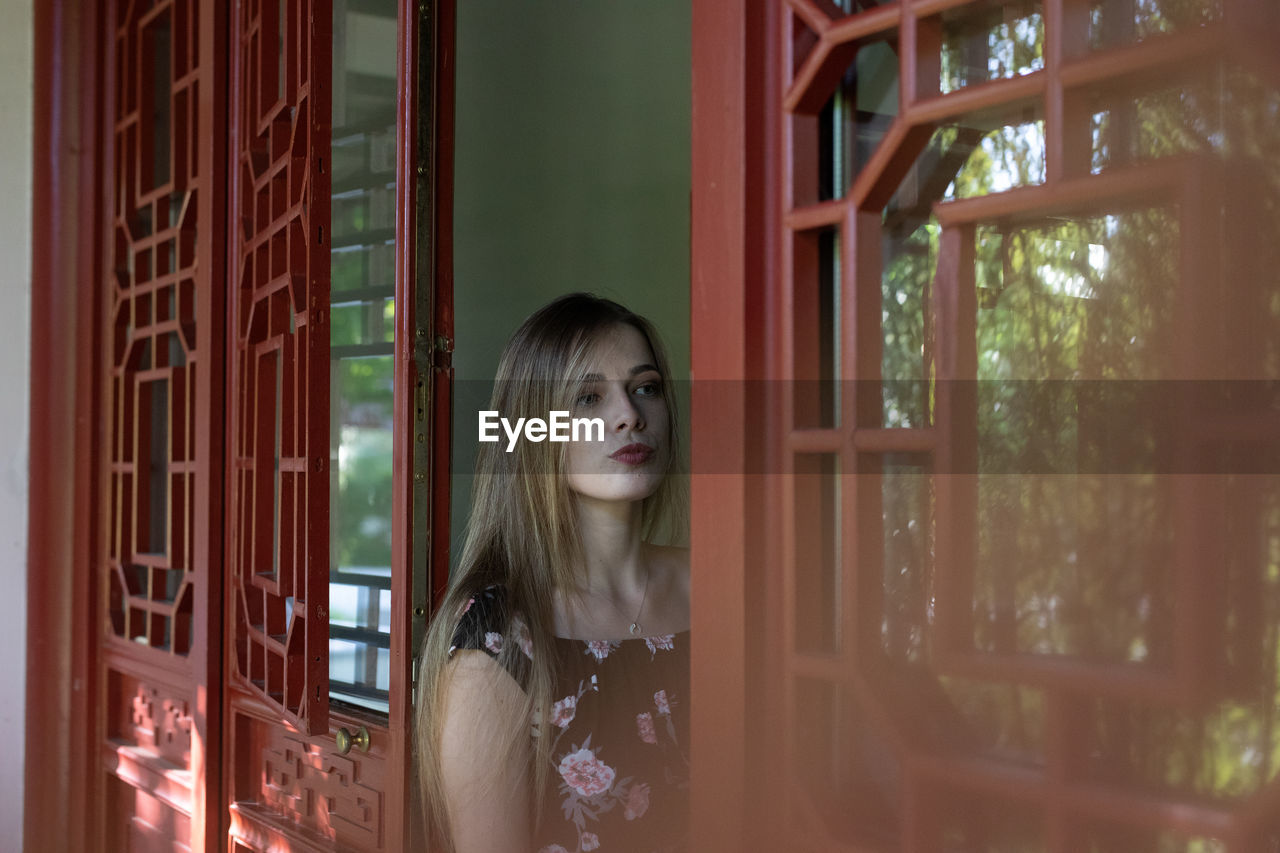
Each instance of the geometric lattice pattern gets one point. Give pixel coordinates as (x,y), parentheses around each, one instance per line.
(153,341)
(1022,610)
(280,377)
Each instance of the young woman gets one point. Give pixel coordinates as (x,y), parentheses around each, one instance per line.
(553,713)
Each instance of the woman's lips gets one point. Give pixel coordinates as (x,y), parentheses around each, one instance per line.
(633,454)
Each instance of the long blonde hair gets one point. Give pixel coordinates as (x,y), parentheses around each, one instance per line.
(521,535)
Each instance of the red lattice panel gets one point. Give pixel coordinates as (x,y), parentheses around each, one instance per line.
(884,710)
(280,377)
(152,331)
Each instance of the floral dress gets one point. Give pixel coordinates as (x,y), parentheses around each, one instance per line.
(620,736)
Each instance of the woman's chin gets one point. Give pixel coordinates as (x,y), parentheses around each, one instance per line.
(615,487)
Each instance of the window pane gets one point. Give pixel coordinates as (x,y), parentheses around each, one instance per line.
(362,335)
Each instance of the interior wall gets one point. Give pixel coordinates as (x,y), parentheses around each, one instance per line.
(16,80)
(571,173)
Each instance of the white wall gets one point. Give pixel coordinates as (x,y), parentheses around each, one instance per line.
(15,371)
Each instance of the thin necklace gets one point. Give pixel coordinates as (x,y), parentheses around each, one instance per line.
(635,628)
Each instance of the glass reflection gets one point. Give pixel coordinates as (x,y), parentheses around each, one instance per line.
(1232,748)
(1117,22)
(362,335)
(985,42)
(1075,552)
(906,494)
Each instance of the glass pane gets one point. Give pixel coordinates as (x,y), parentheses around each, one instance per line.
(816,334)
(1117,22)
(866,106)
(970,157)
(1076,541)
(910,260)
(982,42)
(158,61)
(362,335)
(817,558)
(850,125)
(907,509)
(1232,749)
(1186,119)
(1000,720)
(995,158)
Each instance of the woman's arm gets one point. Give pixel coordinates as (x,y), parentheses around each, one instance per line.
(484,756)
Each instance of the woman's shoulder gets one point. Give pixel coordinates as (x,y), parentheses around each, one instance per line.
(487,622)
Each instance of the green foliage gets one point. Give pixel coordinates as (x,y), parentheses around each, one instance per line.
(361,509)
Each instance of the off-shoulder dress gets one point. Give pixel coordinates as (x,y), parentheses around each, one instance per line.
(620,735)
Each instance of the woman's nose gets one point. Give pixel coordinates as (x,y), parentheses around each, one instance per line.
(625,414)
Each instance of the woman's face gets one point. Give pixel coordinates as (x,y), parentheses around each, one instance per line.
(623,388)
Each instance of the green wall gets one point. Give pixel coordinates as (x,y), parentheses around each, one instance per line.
(572,173)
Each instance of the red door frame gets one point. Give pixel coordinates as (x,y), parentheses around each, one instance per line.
(733,251)
(60,668)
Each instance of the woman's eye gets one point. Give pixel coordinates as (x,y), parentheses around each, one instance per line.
(588,399)
(649,389)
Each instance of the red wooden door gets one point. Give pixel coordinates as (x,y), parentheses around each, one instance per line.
(341,347)
(1019,522)
(157,516)
(233,204)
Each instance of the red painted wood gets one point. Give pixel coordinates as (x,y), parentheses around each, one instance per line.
(407,431)
(284,783)
(1063,795)
(278,529)
(209,821)
(163,241)
(957,415)
(718,314)
(426,72)
(734,252)
(441,237)
(58,797)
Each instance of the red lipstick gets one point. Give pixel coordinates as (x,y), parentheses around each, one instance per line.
(633,454)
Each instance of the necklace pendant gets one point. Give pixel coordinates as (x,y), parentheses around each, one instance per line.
(635,628)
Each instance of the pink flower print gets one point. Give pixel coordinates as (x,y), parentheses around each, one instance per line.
(522,637)
(562,712)
(493,642)
(644,722)
(660,699)
(599,649)
(662,642)
(552,848)
(637,801)
(586,774)
(467,606)
(589,841)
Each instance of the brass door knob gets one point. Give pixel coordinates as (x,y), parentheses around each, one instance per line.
(346,740)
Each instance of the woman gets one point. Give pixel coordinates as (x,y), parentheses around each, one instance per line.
(554,707)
